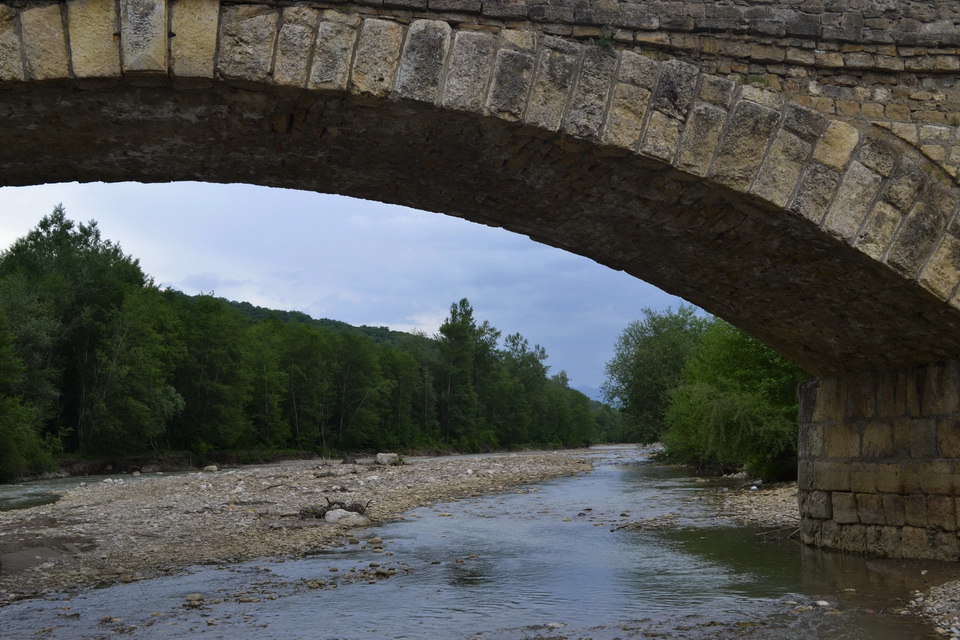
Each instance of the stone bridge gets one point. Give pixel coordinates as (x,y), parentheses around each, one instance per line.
(788,165)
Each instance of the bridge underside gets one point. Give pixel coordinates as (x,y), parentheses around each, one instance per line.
(829,307)
(837,246)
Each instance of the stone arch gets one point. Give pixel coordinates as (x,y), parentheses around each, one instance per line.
(839,247)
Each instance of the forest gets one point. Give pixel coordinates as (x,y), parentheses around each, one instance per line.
(98,361)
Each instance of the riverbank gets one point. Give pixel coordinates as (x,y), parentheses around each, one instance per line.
(128,528)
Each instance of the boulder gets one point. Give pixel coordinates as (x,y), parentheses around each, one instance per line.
(388,459)
(348,518)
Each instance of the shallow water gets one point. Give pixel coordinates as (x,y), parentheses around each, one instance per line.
(547,562)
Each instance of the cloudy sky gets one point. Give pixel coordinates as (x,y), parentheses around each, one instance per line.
(353,260)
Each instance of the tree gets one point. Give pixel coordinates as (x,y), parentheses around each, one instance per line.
(22,448)
(80,281)
(737,406)
(215,378)
(648,359)
(131,397)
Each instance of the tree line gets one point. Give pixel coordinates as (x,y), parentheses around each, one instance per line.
(716,398)
(95,359)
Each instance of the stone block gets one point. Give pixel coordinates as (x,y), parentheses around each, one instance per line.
(805,123)
(806,475)
(835,476)
(700,138)
(915,242)
(914,543)
(811,441)
(844,507)
(44,43)
(944,546)
(638,70)
(878,155)
(11,55)
(247,35)
(143,36)
(781,169)
(942,513)
(870,508)
(877,440)
(471,63)
(333,52)
(193,45)
(890,477)
(744,144)
(421,64)
(816,504)
(915,510)
(852,203)
(836,145)
(810,532)
(512,75)
(94,51)
(891,539)
(878,231)
(895,399)
(624,122)
(816,189)
(939,390)
(915,438)
(853,538)
(717,91)
(842,441)
(298,26)
(942,272)
(830,534)
(936,477)
(555,73)
(376,58)
(904,185)
(584,113)
(948,437)
(676,89)
(661,137)
(863,477)
(893,509)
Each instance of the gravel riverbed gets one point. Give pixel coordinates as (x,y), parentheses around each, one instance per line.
(131,528)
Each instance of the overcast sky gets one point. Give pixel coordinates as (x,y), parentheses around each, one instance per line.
(353,260)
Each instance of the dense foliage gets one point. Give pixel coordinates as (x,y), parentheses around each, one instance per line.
(717,398)
(648,358)
(95,359)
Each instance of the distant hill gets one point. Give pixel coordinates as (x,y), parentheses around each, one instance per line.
(591,392)
(379,335)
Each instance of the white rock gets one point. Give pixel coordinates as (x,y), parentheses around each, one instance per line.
(211,467)
(346,517)
(388,459)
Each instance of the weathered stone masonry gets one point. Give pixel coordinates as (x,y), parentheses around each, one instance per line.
(670,140)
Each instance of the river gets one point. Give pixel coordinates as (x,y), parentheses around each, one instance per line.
(552,560)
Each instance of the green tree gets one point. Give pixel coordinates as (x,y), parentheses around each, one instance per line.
(269,384)
(215,378)
(737,406)
(131,398)
(22,448)
(80,281)
(303,357)
(647,363)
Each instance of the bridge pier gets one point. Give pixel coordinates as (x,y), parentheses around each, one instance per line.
(880,462)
